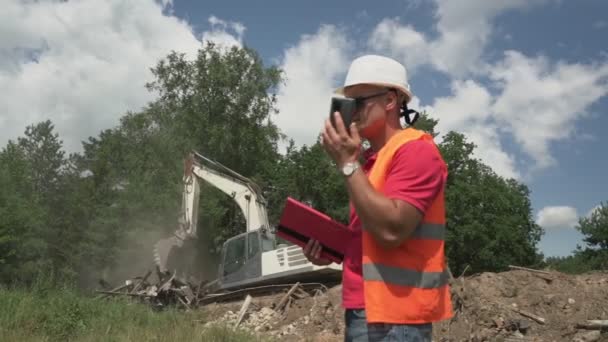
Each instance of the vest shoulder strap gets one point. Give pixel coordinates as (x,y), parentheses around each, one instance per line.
(386,153)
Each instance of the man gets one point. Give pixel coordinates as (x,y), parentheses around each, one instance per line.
(395,282)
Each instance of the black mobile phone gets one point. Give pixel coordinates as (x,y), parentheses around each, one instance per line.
(346,107)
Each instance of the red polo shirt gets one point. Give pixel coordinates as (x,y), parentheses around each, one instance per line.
(416,175)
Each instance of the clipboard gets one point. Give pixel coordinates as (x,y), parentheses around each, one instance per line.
(299,223)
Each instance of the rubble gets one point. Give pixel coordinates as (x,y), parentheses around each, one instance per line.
(166,291)
(516,305)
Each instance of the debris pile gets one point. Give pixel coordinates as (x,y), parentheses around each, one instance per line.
(528,305)
(294,315)
(166,291)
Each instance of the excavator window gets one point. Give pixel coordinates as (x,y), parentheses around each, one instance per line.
(267,244)
(253,244)
(235,255)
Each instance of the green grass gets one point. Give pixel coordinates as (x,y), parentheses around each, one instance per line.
(64,315)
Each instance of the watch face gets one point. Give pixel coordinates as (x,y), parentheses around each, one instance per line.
(348,169)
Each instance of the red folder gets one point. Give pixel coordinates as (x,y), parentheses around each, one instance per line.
(299,223)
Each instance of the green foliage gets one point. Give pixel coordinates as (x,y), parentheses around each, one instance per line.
(593,256)
(490,222)
(26,203)
(572,264)
(310,176)
(64,315)
(595,228)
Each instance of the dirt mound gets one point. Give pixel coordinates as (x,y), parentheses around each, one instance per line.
(510,306)
(522,305)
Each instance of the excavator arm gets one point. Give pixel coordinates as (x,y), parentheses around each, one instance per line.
(243,191)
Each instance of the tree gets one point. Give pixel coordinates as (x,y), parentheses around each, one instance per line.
(219,104)
(21,219)
(595,231)
(43,150)
(490,222)
(310,176)
(595,228)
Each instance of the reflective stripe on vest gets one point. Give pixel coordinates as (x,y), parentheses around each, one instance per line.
(429,231)
(404,277)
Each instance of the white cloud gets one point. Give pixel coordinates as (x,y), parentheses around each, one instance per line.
(534,99)
(83,64)
(463,31)
(468,111)
(540,102)
(403,43)
(557,217)
(311,68)
(224,33)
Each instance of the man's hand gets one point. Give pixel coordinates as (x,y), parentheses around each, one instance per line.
(341,146)
(312,251)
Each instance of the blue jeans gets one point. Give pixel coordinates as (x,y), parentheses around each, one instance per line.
(357,330)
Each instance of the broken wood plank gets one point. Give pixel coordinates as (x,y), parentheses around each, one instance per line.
(122,294)
(187,292)
(594,324)
(243,310)
(113,291)
(286,310)
(167,285)
(528,269)
(300,294)
(283,300)
(530,315)
(184,303)
(518,339)
(141,282)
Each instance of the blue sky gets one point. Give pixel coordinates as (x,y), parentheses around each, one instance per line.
(525,80)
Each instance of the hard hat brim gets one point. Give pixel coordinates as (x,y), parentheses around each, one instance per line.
(405,91)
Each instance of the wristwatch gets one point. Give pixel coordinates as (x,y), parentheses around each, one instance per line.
(350,168)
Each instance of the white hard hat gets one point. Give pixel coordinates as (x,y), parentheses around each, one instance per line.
(377,70)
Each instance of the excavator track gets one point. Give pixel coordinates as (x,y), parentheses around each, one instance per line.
(256,291)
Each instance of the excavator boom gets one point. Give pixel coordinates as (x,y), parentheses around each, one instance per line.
(242,190)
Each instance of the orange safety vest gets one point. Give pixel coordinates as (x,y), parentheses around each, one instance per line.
(407,284)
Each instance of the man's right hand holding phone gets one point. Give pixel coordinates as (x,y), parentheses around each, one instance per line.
(312,251)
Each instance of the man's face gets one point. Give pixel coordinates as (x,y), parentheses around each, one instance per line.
(371,115)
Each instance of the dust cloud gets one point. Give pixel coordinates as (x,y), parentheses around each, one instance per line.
(193,262)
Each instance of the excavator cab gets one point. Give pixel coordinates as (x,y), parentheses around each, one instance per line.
(241,257)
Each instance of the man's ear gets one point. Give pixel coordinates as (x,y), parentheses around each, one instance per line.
(391,101)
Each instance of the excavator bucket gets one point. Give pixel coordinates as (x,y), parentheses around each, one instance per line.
(177,255)
(163,249)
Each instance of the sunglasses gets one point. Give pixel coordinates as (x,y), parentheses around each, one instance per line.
(348,106)
(360,101)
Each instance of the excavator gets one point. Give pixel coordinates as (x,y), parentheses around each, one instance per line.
(251,258)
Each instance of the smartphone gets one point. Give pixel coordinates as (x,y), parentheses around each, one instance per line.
(346,107)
